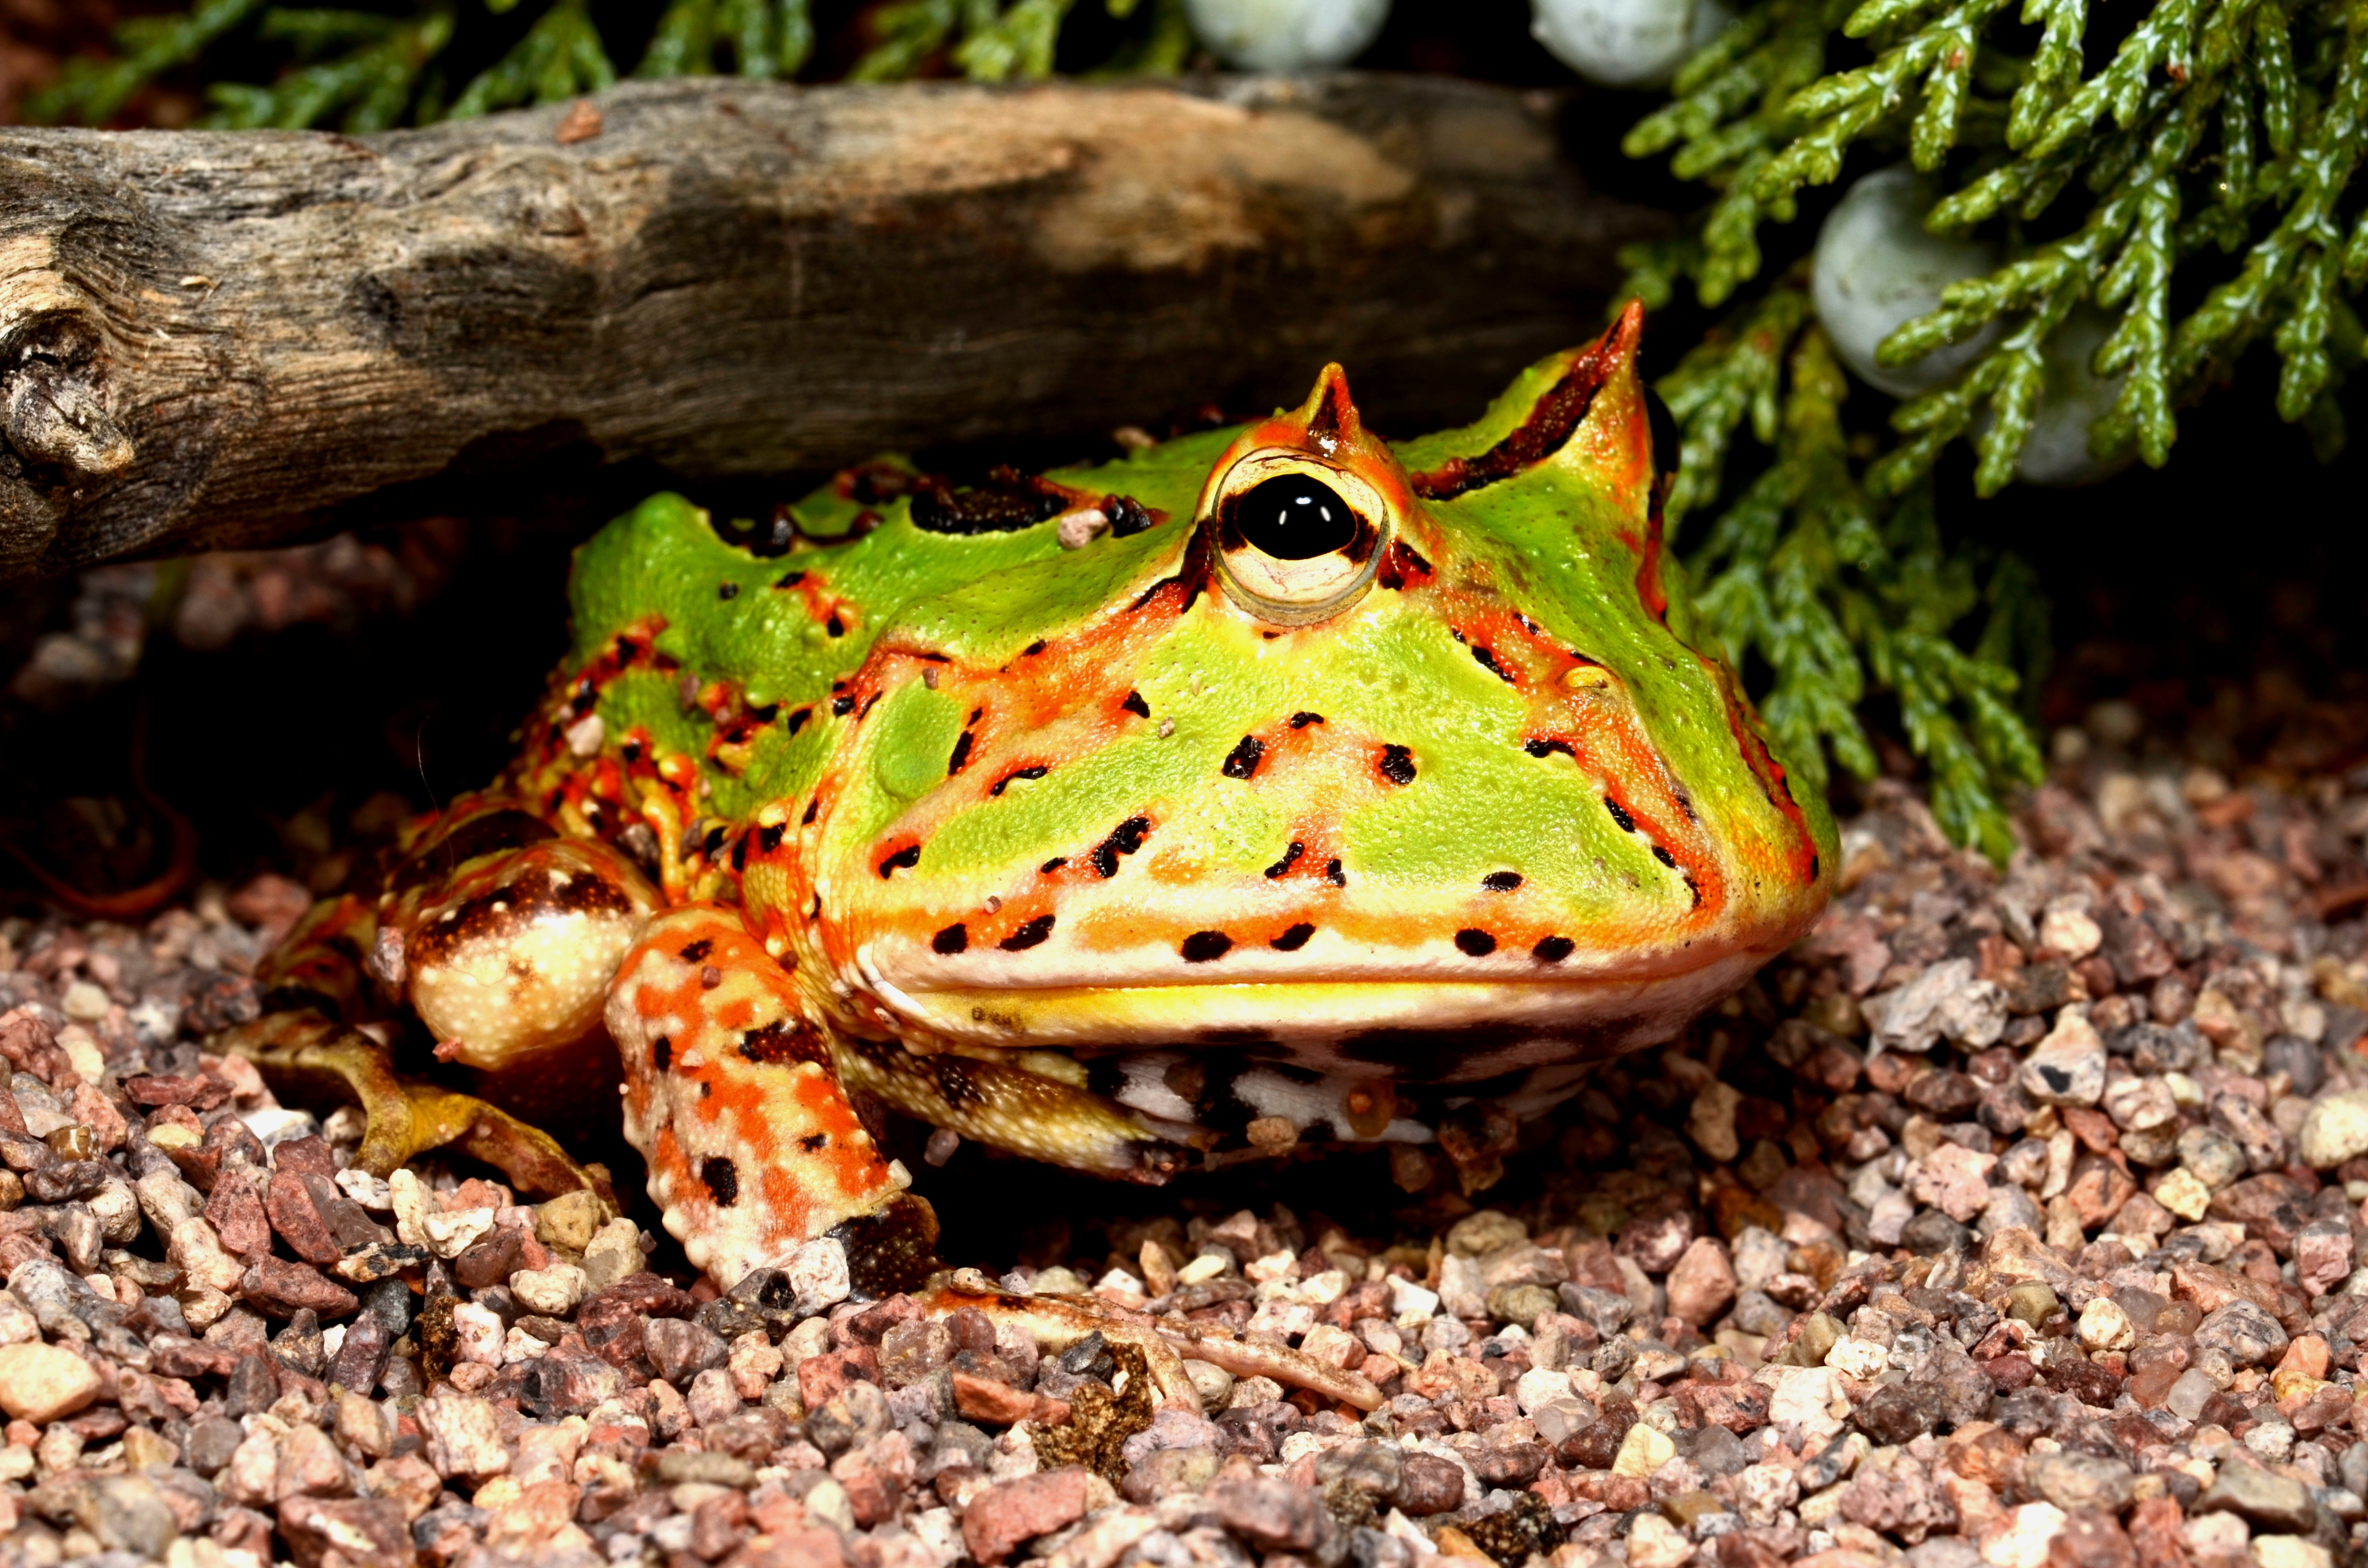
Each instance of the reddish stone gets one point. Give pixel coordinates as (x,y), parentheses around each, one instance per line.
(357,1532)
(309,1155)
(281,1289)
(983,1399)
(244,1529)
(2093,1128)
(2151,1386)
(1618,1493)
(2011,1372)
(719,1524)
(177,1356)
(2090,1538)
(291,1210)
(2156,1533)
(1744,1549)
(199,1093)
(1658,1235)
(823,1377)
(237,1216)
(1428,1485)
(1739,1407)
(817,1548)
(2099,1189)
(999,1518)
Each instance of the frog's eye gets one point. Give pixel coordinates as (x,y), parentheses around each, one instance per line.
(1298,539)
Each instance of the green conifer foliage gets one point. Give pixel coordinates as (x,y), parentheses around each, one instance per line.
(2191,178)
(371,69)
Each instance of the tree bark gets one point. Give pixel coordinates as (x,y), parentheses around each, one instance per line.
(215,339)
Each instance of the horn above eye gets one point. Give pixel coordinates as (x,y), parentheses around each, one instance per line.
(1297,538)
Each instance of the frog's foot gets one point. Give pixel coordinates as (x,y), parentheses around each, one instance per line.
(1004,1100)
(753,1149)
(308,1057)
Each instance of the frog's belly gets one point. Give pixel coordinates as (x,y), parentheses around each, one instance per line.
(1419,1031)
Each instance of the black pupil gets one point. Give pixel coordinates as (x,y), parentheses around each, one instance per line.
(1293,517)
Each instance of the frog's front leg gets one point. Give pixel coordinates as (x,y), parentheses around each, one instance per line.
(753,1149)
(503,936)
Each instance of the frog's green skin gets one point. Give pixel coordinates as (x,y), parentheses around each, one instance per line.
(1073,843)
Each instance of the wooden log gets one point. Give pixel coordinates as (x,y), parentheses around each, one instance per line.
(216,339)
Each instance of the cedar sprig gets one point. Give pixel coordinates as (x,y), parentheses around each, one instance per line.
(2215,128)
(365,70)
(1842,593)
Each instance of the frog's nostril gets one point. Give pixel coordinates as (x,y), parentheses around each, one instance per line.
(1294,516)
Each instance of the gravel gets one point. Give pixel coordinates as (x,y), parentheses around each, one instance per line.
(2012,1221)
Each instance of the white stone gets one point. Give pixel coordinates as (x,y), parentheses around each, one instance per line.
(1626,43)
(2184,1194)
(2069,932)
(410,1200)
(2021,1540)
(1877,268)
(1538,1387)
(817,1274)
(2072,397)
(2105,1326)
(1411,1304)
(2335,1129)
(2068,1066)
(1208,1265)
(274,1125)
(117,1208)
(84,1002)
(1859,1358)
(167,1199)
(1287,35)
(2212,1537)
(1810,1397)
(1642,1451)
(370,1191)
(1654,1543)
(2273,1441)
(1460,1288)
(2290,1552)
(463,1435)
(1759,1256)
(83,1053)
(41,1382)
(2187,1394)
(478,1334)
(614,1252)
(453,1232)
(1762,1491)
(553,1291)
(198,1251)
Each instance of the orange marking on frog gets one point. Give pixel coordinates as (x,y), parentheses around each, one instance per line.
(812,590)
(717,1114)
(1804,860)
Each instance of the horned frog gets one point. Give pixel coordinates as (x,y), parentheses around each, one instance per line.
(1267,788)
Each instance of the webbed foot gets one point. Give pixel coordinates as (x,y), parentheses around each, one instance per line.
(307,1057)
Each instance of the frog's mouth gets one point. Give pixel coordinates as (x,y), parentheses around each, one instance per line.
(1429,1027)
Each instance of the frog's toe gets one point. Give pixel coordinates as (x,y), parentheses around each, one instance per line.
(1059,1322)
(753,1149)
(894,1248)
(306,1056)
